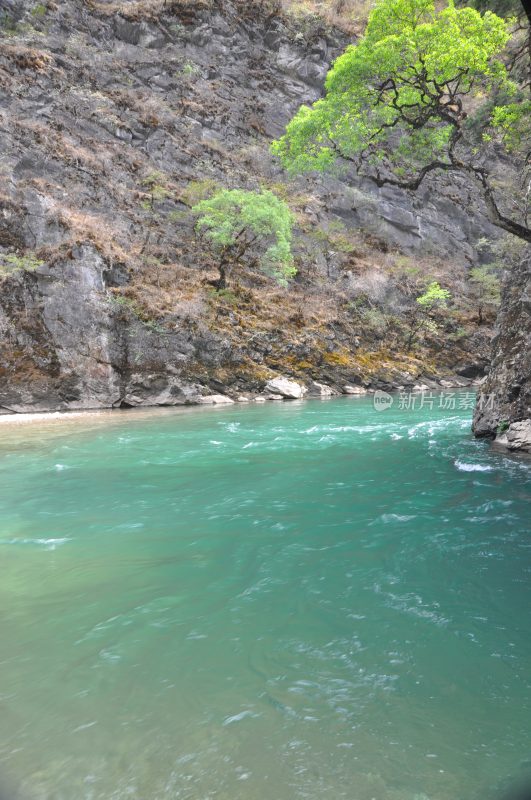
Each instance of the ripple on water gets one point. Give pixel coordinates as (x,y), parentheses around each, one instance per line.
(49,544)
(462,466)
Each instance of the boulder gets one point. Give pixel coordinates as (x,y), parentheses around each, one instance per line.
(290,390)
(454,383)
(429,383)
(215,400)
(321,390)
(348,389)
(517,436)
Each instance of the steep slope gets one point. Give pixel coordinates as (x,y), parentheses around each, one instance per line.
(115,117)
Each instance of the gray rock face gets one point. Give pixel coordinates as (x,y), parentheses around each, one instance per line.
(505,396)
(65,343)
(58,347)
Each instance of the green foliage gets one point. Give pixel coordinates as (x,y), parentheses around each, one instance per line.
(154,179)
(486,290)
(237,223)
(511,122)
(375,320)
(434,297)
(8,26)
(398,103)
(395,95)
(39,10)
(121,301)
(196,191)
(130,306)
(177,28)
(190,70)
(503,253)
(335,236)
(154,183)
(226,296)
(423,317)
(154,326)
(458,335)
(5,20)
(11,263)
(487,283)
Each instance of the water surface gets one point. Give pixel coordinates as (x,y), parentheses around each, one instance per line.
(300,600)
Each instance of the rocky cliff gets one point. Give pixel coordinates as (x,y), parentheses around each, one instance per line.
(115,117)
(504,402)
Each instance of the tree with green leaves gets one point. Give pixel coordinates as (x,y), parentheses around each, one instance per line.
(434,297)
(519,50)
(247,229)
(428,307)
(486,291)
(403,102)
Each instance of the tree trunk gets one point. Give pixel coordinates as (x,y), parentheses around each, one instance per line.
(224,273)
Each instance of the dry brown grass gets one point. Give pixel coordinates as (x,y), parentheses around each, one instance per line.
(347,15)
(136,10)
(27,58)
(84,227)
(168,290)
(59,146)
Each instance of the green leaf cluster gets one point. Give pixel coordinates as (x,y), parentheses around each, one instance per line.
(11,262)
(396,94)
(512,123)
(486,284)
(234,221)
(434,297)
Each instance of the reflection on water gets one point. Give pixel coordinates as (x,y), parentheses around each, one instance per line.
(299,601)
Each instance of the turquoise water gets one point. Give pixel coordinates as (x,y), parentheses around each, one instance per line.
(301,600)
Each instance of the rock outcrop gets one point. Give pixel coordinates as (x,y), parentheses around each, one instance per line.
(503,408)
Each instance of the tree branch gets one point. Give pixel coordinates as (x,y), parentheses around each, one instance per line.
(456,165)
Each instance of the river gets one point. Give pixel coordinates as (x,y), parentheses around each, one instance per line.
(289,601)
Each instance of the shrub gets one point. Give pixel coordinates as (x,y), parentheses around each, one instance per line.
(434,297)
(196,191)
(155,185)
(486,289)
(424,314)
(251,229)
(12,263)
